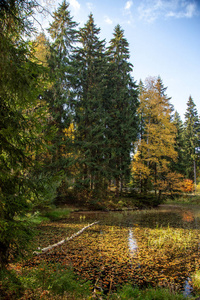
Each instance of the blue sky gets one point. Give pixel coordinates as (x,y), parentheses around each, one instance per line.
(163,36)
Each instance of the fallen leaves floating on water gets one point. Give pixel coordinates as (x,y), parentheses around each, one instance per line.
(166,253)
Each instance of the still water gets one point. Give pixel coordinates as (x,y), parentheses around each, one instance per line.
(158,247)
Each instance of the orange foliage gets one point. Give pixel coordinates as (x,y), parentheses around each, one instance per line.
(188,186)
(188,216)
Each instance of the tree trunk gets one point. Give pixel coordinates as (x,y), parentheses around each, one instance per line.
(65,240)
(4,254)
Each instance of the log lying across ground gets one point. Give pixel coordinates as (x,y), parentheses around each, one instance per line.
(65,240)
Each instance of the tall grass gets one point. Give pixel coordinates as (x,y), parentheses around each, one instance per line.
(177,238)
(133,293)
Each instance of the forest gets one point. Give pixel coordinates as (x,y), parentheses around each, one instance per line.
(77,128)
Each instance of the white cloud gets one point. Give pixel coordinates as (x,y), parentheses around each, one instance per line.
(189,11)
(128,5)
(148,13)
(108,20)
(90,6)
(75,4)
(150,10)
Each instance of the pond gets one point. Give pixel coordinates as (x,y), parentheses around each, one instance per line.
(157,247)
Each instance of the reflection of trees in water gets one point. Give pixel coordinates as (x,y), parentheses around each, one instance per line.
(187,216)
(172,216)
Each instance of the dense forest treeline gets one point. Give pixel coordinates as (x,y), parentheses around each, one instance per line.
(75,125)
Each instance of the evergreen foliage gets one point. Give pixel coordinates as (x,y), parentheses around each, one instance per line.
(191,137)
(179,165)
(121,106)
(22,124)
(63,34)
(89,118)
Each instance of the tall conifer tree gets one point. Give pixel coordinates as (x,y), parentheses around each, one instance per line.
(121,106)
(22,118)
(191,137)
(63,34)
(89,84)
(179,165)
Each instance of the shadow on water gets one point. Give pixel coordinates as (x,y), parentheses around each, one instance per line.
(158,247)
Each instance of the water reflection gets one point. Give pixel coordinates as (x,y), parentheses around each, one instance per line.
(132,243)
(187,288)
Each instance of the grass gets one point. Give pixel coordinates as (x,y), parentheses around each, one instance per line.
(57,282)
(134,293)
(185,199)
(41,282)
(174,238)
(56,214)
(196,281)
(53,214)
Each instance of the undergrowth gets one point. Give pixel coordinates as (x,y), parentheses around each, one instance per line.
(55,281)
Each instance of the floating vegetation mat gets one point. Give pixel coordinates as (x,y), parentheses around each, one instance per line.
(146,248)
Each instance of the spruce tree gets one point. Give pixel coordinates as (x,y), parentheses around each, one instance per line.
(63,35)
(89,85)
(21,128)
(191,137)
(121,107)
(179,165)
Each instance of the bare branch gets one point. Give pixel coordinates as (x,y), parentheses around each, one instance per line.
(65,240)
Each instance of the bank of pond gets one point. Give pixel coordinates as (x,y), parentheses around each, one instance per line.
(139,254)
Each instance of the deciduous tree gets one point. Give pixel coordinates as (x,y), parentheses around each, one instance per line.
(156,147)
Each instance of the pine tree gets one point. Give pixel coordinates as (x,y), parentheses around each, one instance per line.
(191,137)
(89,85)
(121,106)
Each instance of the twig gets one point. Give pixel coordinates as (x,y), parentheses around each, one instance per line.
(65,240)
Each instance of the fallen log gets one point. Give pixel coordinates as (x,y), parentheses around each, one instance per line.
(64,240)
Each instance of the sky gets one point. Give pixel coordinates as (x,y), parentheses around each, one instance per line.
(163,37)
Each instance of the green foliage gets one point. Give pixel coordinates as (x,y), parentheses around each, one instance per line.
(56,214)
(22,131)
(63,34)
(55,279)
(121,107)
(196,281)
(191,137)
(130,292)
(90,115)
(44,279)
(10,285)
(179,165)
